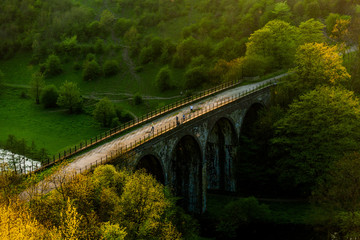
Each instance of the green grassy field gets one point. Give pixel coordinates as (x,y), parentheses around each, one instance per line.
(51,129)
(55,129)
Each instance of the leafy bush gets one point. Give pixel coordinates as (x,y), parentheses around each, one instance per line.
(138,99)
(104,112)
(53,66)
(92,71)
(163,79)
(198,61)
(49,96)
(111,68)
(241,212)
(256,65)
(122,25)
(123,116)
(69,97)
(69,46)
(146,55)
(195,77)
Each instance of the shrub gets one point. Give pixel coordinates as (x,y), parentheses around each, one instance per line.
(146,55)
(198,61)
(69,46)
(49,96)
(91,71)
(69,97)
(241,212)
(77,66)
(163,79)
(138,99)
(53,66)
(122,25)
(104,112)
(256,65)
(123,116)
(194,77)
(111,68)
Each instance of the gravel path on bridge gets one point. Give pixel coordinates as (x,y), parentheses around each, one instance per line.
(104,150)
(100,152)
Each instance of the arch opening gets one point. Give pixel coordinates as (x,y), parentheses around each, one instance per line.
(220,155)
(251,116)
(251,167)
(152,166)
(186,168)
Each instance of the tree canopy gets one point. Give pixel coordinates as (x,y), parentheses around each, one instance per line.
(277,39)
(317,129)
(318,63)
(104,112)
(69,97)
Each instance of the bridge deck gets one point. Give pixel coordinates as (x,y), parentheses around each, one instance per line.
(106,150)
(99,154)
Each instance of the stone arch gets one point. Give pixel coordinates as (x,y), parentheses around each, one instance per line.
(250,117)
(220,155)
(153,166)
(249,168)
(186,173)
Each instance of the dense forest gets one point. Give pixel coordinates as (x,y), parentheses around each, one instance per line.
(93,65)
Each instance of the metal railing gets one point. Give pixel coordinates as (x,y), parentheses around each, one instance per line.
(171,126)
(84,145)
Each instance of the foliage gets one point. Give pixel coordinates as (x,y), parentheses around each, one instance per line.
(70,221)
(317,63)
(36,86)
(9,183)
(16,222)
(122,25)
(69,97)
(111,204)
(256,65)
(141,208)
(122,115)
(138,99)
(282,11)
(113,231)
(241,212)
(49,96)
(69,46)
(339,192)
(53,66)
(163,79)
(188,49)
(278,40)
(92,71)
(227,71)
(104,112)
(195,77)
(317,129)
(111,68)
(229,49)
(20,146)
(340,31)
(338,189)
(311,31)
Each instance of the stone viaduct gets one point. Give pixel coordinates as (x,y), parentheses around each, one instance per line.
(199,155)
